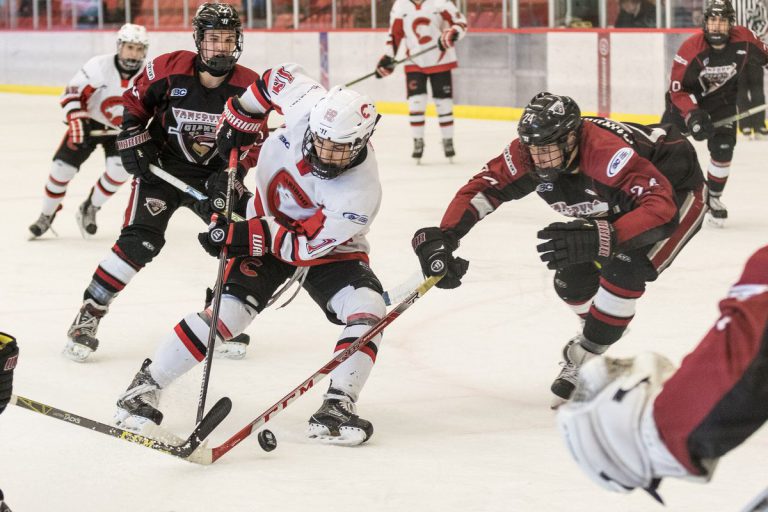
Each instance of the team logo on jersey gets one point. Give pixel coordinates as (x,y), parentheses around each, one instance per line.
(357,219)
(248,266)
(618,161)
(713,78)
(282,78)
(112,109)
(178,91)
(155,206)
(287,200)
(594,208)
(196,133)
(330,115)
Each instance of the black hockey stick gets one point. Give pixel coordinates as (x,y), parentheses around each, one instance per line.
(173,445)
(369,75)
(213,326)
(206,455)
(739,116)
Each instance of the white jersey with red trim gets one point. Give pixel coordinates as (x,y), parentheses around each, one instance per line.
(98,88)
(311,220)
(420,25)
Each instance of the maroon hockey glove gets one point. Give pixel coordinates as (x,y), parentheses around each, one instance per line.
(9,354)
(79,126)
(448,39)
(435,247)
(700,124)
(137,151)
(578,241)
(385,66)
(238,129)
(245,238)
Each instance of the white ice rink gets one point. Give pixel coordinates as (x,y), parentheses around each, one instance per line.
(459,396)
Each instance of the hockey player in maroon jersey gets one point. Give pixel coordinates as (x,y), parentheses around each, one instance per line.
(317,192)
(634,421)
(170,118)
(93,103)
(420,24)
(703,89)
(637,193)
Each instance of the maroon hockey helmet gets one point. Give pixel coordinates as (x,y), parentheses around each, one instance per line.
(212,17)
(723,9)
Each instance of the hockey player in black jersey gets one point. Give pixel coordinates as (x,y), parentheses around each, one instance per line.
(170,120)
(703,90)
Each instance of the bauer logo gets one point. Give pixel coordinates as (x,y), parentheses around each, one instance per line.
(618,161)
(178,91)
(358,219)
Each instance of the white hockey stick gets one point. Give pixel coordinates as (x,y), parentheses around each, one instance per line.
(759,503)
(740,115)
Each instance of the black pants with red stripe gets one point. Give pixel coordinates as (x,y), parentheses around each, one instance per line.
(76,154)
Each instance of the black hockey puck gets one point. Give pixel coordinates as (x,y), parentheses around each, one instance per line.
(267,440)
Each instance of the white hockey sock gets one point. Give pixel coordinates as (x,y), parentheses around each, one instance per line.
(351,375)
(56,186)
(109,182)
(416,114)
(444,108)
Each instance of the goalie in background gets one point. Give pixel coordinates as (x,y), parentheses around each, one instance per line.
(635,421)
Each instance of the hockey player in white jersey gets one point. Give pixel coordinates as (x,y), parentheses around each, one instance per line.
(93,106)
(421,24)
(317,193)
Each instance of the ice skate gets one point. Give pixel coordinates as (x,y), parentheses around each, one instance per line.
(234,348)
(138,405)
(748,133)
(336,422)
(448,149)
(717,213)
(574,356)
(43,224)
(86,218)
(761,133)
(418,150)
(82,333)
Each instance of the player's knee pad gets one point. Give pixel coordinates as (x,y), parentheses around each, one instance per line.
(140,247)
(443,106)
(235,315)
(62,171)
(417,103)
(721,146)
(115,170)
(577,283)
(355,306)
(244,296)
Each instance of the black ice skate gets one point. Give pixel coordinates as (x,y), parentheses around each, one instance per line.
(448,149)
(717,212)
(418,149)
(574,356)
(82,333)
(138,405)
(748,132)
(43,224)
(86,218)
(336,422)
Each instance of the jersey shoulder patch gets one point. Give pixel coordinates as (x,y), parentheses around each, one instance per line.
(618,161)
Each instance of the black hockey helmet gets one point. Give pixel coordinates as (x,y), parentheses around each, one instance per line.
(723,9)
(548,120)
(213,16)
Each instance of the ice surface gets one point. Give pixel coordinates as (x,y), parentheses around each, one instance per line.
(459,396)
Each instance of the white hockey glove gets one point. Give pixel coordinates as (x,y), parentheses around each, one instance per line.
(609,427)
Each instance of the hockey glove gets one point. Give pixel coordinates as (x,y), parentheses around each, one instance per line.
(137,151)
(79,126)
(385,66)
(245,238)
(578,241)
(239,129)
(216,190)
(435,247)
(448,39)
(9,354)
(700,124)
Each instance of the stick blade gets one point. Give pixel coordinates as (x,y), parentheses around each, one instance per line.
(213,419)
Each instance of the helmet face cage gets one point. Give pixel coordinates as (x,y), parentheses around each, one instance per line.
(545,129)
(722,9)
(218,20)
(136,35)
(329,159)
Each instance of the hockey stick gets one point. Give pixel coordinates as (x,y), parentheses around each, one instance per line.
(206,455)
(369,75)
(105,133)
(216,301)
(739,116)
(181,448)
(758,504)
(181,185)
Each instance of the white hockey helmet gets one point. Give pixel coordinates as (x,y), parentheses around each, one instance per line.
(341,122)
(133,34)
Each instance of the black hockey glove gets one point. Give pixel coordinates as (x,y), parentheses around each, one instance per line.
(216,190)
(245,238)
(435,247)
(9,354)
(385,66)
(578,241)
(239,129)
(700,124)
(137,151)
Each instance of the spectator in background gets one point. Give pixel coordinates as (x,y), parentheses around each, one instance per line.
(636,14)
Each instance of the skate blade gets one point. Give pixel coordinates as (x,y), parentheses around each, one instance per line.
(557,402)
(714,222)
(83,230)
(347,436)
(137,424)
(76,352)
(229,350)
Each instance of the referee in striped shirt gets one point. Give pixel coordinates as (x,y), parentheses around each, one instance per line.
(752,14)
